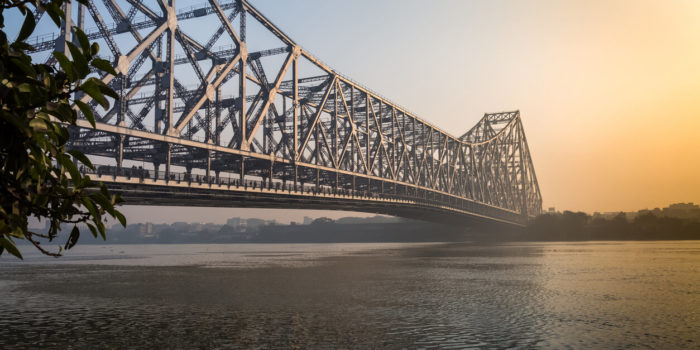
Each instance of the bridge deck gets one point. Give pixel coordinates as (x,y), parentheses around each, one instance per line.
(253,194)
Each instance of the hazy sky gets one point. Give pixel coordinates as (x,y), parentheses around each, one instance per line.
(609,91)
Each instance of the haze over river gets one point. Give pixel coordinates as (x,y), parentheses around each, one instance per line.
(454,295)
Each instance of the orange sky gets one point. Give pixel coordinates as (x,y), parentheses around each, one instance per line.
(624,104)
(609,91)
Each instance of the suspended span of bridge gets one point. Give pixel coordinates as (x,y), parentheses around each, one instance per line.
(219,107)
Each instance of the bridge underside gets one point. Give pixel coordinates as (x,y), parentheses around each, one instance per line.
(138,191)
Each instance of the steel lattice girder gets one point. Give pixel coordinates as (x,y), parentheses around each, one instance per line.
(279,115)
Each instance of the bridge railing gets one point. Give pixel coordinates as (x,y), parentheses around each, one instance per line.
(150,176)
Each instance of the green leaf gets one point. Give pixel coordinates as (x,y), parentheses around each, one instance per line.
(101,229)
(108,91)
(10,247)
(70,166)
(103,201)
(83,40)
(73,238)
(81,157)
(22,46)
(87,182)
(24,65)
(91,208)
(87,112)
(80,63)
(39,125)
(26,88)
(120,217)
(104,190)
(27,27)
(65,63)
(94,49)
(93,230)
(65,112)
(117,199)
(91,88)
(103,65)
(55,12)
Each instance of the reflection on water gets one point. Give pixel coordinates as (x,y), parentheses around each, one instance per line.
(205,255)
(567,295)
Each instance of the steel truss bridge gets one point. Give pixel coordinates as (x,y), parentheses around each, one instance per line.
(219,107)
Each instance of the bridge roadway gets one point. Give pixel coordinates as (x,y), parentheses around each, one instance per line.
(137,187)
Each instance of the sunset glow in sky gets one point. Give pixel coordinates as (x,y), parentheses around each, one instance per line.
(609,91)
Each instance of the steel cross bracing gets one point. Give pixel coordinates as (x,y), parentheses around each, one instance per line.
(220,107)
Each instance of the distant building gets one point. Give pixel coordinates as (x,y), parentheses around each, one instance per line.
(180,226)
(682,211)
(146,230)
(254,223)
(551,210)
(234,222)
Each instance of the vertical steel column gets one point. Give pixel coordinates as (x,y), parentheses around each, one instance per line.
(295,105)
(317,148)
(353,186)
(318,180)
(169,104)
(335,119)
(119,143)
(81,16)
(296,175)
(523,174)
(394,125)
(217,116)
(243,120)
(270,172)
(369,133)
(168,153)
(242,174)
(66,26)
(208,165)
(353,156)
(380,139)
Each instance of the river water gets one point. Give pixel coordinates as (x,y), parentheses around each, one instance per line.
(326,296)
